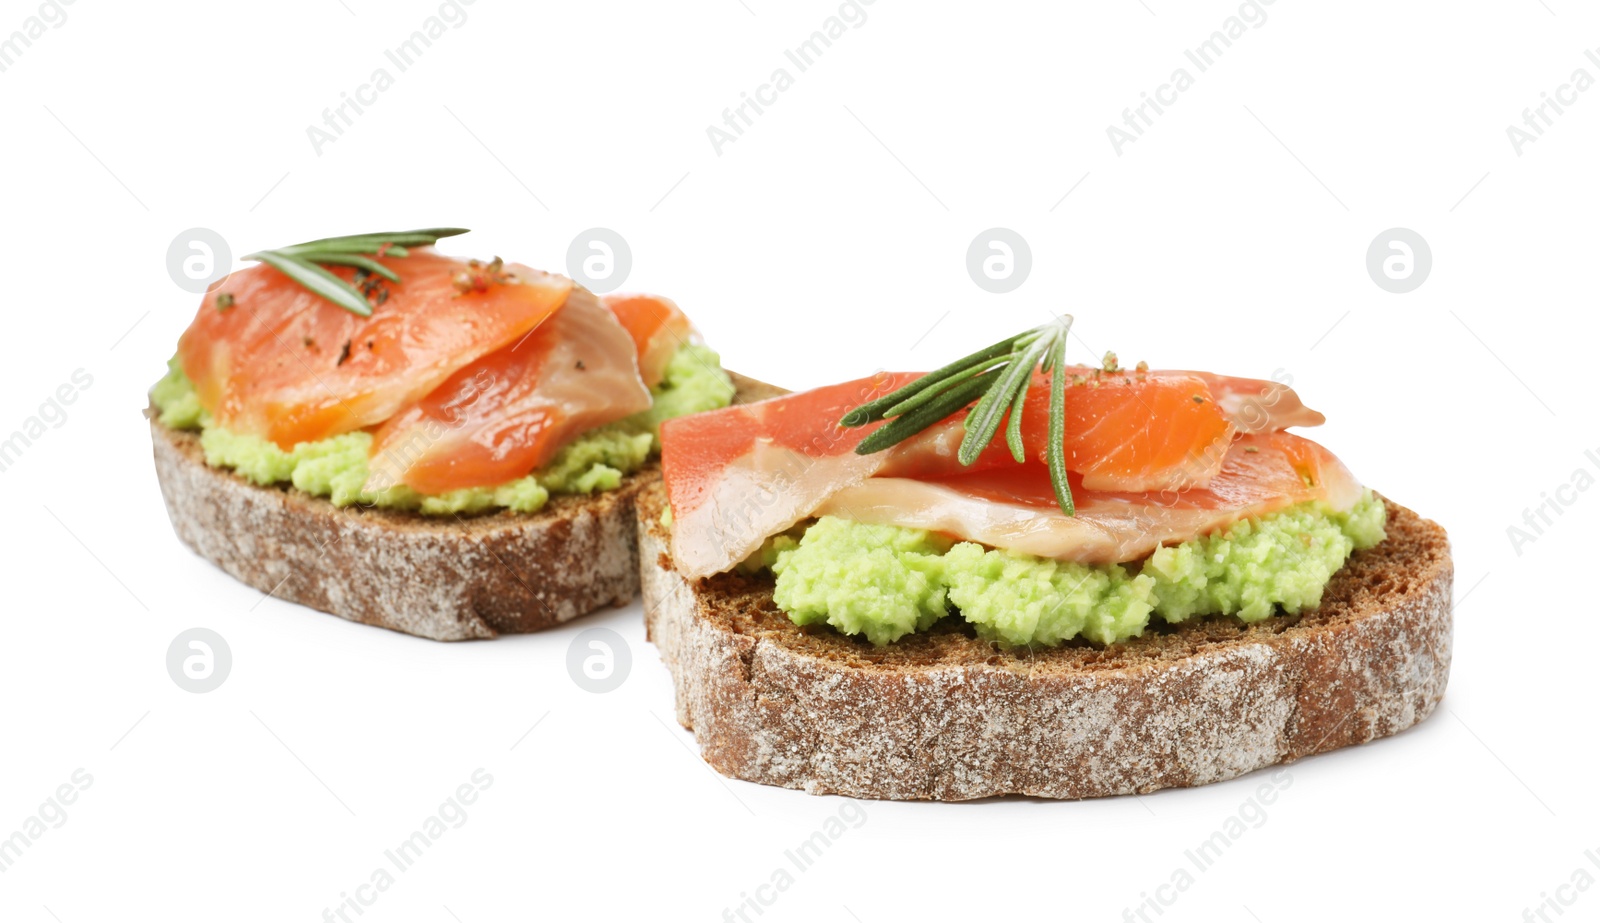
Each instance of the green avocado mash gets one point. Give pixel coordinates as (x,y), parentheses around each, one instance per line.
(886,582)
(336,467)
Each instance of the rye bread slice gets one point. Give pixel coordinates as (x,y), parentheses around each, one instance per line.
(944,715)
(445,578)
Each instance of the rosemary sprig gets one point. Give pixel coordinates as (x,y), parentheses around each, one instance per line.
(997,377)
(304,262)
(913,422)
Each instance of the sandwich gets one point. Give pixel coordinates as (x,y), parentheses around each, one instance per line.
(1018,576)
(441,446)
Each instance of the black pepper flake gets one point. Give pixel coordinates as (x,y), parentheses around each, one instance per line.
(224,301)
(308,343)
(344,353)
(581,366)
(371,287)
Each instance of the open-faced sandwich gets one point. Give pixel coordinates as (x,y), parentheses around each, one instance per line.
(1013,575)
(441,446)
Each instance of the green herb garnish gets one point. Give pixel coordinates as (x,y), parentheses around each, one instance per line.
(304,262)
(997,377)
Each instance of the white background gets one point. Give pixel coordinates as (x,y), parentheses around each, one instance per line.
(826,242)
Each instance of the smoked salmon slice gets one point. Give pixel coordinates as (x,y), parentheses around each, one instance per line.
(658,329)
(508,413)
(288,365)
(1015,508)
(738,475)
(1125,431)
(1257,406)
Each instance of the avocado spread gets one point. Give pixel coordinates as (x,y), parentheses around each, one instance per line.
(885,582)
(336,467)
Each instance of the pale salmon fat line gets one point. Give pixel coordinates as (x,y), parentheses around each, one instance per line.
(1158,454)
(590,364)
(463,387)
(658,328)
(508,413)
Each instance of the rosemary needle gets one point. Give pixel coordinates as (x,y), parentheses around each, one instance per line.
(997,377)
(304,262)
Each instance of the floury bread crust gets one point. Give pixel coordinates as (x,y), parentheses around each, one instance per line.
(440,577)
(943,715)
(445,578)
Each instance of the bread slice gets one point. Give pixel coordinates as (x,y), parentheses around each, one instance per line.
(944,715)
(445,578)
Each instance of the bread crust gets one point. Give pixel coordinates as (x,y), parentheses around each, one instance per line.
(449,578)
(944,715)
